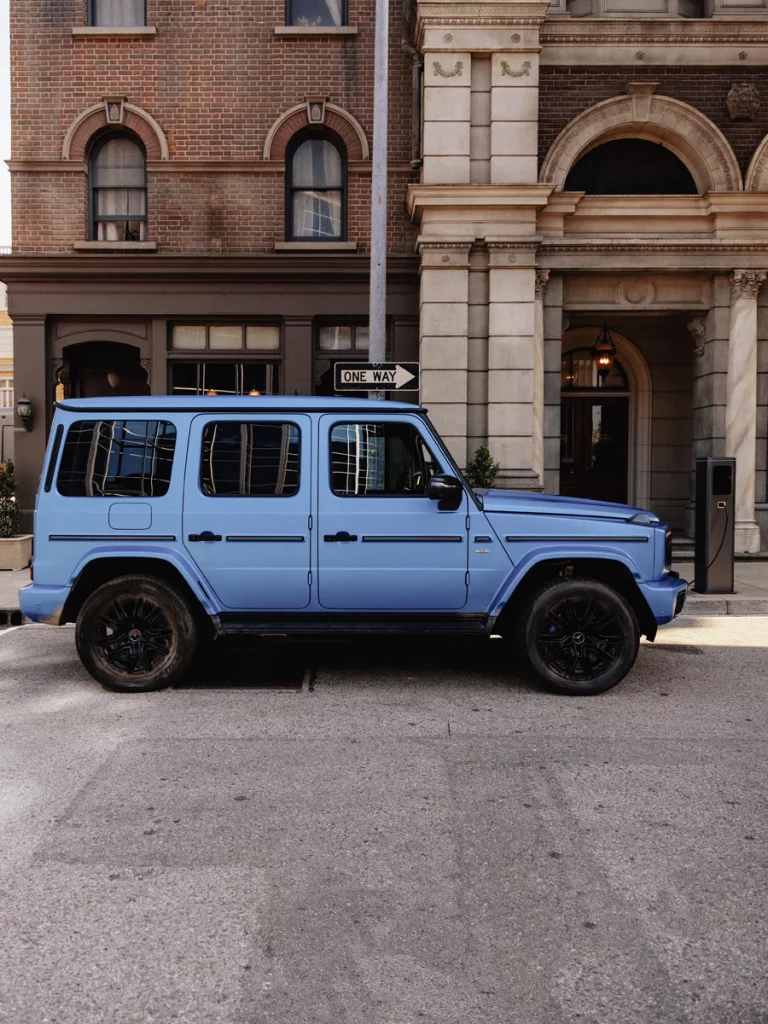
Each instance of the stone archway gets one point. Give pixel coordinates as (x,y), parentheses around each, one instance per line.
(687,133)
(640,406)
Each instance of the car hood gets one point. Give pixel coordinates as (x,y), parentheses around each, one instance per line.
(528,502)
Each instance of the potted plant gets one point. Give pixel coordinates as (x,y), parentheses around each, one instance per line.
(15,548)
(481,469)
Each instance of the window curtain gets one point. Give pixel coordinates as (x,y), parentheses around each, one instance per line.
(118,181)
(317,214)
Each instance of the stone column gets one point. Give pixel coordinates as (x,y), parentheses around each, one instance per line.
(537,439)
(514,116)
(447,82)
(477,354)
(741,401)
(511,328)
(443,340)
(553,355)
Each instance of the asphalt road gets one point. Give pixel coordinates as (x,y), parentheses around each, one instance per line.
(419,838)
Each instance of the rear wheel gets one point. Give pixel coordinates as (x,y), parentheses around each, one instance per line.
(135,634)
(581,637)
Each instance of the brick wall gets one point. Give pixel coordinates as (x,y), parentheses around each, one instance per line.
(215,78)
(567,92)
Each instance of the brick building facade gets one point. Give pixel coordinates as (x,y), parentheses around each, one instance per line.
(554,168)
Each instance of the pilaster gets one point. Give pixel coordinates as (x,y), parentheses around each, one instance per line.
(443,345)
(512,363)
(553,349)
(446,141)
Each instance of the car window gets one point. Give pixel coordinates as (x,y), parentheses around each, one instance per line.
(248,459)
(383,459)
(117,459)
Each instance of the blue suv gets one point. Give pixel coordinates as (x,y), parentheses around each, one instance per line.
(164,522)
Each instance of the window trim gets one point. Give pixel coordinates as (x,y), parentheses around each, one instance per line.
(389,419)
(292,24)
(91,11)
(270,422)
(302,136)
(93,220)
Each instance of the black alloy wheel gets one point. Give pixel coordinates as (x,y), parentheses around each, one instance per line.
(581,636)
(136,634)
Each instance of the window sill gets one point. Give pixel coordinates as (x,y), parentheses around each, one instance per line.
(114,246)
(114,30)
(315,246)
(315,30)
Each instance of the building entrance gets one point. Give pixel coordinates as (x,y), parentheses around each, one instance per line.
(594,447)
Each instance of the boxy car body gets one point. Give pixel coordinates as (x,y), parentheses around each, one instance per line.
(301,516)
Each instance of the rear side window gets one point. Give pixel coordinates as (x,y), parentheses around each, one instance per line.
(250,459)
(117,459)
(379,459)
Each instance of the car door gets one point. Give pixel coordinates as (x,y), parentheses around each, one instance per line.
(247,506)
(383,545)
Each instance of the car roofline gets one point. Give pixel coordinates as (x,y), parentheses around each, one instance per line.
(86,406)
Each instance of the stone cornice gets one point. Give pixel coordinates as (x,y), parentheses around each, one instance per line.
(582,255)
(438,14)
(191,167)
(645,42)
(420,197)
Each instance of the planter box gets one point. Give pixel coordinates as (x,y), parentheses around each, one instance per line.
(16,552)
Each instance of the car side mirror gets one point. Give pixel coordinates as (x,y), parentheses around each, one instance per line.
(446,490)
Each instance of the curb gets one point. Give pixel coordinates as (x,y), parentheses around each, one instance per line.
(725,605)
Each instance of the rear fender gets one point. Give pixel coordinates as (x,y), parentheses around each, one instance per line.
(103,560)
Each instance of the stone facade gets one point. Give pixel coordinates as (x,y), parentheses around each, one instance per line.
(517,274)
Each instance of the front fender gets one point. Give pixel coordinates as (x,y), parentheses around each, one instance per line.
(563,554)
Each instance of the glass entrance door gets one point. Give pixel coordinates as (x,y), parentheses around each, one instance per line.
(594,447)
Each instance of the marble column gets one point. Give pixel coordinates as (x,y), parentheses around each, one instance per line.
(741,401)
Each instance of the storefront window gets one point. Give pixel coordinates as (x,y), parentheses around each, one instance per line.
(334,344)
(224,378)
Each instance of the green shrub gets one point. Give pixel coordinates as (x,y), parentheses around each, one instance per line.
(481,469)
(9,513)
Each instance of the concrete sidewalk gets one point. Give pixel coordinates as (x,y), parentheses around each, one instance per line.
(751,597)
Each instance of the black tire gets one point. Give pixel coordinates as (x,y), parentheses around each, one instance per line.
(580,636)
(135,634)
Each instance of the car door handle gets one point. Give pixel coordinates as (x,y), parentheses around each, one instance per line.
(342,535)
(206,535)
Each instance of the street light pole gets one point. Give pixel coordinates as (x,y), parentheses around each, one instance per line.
(377,316)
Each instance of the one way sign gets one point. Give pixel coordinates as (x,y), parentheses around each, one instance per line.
(376,377)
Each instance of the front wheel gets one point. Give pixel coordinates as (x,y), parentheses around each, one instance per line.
(581,637)
(136,633)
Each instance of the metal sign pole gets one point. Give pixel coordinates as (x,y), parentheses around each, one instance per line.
(377,317)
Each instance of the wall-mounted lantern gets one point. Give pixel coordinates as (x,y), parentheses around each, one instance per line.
(604,352)
(24,412)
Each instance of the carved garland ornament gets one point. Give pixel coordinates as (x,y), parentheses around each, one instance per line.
(437,69)
(697,328)
(524,71)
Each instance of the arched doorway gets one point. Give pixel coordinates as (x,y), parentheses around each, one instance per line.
(95,369)
(605,432)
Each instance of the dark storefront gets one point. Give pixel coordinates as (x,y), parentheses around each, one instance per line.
(120,325)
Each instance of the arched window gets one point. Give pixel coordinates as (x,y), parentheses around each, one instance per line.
(316,189)
(629,167)
(118,190)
